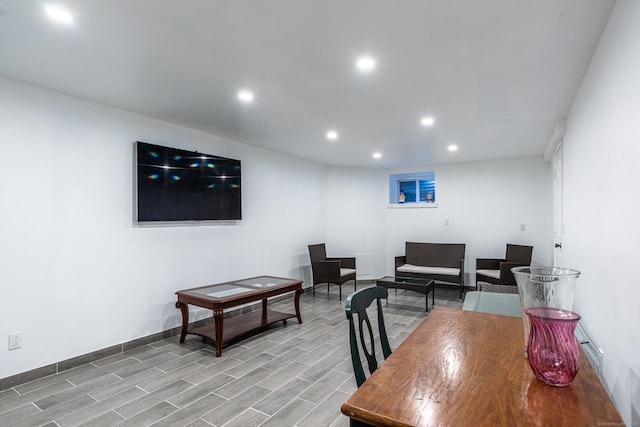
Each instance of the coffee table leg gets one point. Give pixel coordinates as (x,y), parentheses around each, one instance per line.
(184,309)
(218,317)
(297,303)
(430,288)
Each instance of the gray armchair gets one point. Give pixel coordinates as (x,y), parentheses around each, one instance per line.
(497,271)
(332,271)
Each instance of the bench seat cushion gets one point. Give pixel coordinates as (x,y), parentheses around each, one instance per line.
(489,273)
(443,271)
(346,271)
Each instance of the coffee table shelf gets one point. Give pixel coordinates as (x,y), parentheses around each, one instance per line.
(242,325)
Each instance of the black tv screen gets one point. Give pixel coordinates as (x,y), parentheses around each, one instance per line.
(181,185)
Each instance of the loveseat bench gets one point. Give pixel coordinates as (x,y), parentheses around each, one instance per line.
(442,262)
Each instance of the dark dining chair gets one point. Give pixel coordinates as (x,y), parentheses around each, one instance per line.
(497,271)
(356,306)
(332,271)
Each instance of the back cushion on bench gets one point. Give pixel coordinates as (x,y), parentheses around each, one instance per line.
(434,254)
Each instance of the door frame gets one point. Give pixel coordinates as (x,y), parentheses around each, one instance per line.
(558,207)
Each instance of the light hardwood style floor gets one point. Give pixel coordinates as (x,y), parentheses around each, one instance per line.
(296,375)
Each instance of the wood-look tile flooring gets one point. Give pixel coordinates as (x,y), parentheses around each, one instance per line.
(296,375)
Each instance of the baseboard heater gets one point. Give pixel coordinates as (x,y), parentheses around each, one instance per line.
(593,352)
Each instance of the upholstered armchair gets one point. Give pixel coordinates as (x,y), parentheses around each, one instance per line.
(497,271)
(332,271)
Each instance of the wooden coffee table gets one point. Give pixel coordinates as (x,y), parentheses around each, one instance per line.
(424,286)
(222,296)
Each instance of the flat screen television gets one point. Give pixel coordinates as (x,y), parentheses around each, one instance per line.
(181,185)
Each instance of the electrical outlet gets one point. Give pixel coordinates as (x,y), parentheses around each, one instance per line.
(15,340)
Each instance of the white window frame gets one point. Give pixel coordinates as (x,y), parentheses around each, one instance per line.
(394,186)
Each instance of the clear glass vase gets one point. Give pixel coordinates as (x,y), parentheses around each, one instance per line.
(552,349)
(548,287)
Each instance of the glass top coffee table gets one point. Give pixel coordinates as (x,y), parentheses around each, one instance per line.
(222,296)
(424,286)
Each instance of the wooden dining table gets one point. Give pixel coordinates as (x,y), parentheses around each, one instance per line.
(465,368)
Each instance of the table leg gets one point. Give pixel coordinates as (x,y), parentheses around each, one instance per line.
(184,309)
(297,304)
(218,317)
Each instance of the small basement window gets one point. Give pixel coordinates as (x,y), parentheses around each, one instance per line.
(412,190)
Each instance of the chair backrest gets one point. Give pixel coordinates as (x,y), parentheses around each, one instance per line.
(434,254)
(519,253)
(357,304)
(317,252)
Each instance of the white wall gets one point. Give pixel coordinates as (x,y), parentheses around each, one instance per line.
(601,150)
(76,274)
(485,203)
(355,218)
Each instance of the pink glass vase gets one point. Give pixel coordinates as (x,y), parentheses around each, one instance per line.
(552,349)
(544,287)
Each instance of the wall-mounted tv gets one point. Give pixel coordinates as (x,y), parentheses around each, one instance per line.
(181,185)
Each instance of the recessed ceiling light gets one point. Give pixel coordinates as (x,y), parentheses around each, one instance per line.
(245,96)
(377,155)
(452,147)
(427,121)
(59,14)
(366,64)
(332,135)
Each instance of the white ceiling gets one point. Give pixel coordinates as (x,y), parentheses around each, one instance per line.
(496,74)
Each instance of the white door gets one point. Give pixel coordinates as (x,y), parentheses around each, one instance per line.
(558,223)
